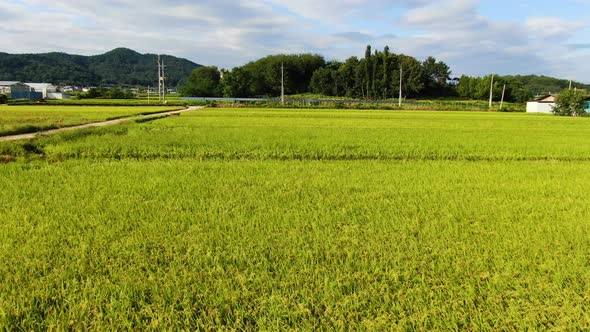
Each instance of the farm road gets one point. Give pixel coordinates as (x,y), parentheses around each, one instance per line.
(97,124)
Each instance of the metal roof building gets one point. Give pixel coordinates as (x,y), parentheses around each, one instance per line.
(44,88)
(18,90)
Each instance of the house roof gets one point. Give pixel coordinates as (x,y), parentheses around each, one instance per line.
(546,98)
(8,83)
(40,86)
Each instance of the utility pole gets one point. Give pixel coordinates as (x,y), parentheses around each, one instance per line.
(503,92)
(161,80)
(570,84)
(401,76)
(491,92)
(148,91)
(282,83)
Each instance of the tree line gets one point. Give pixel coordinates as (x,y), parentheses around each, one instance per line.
(375,76)
(106,93)
(261,78)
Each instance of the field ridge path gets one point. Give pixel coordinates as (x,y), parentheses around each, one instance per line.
(96,124)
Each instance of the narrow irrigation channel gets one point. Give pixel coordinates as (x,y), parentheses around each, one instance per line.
(97,124)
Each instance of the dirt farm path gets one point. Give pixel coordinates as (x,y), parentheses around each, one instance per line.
(96,124)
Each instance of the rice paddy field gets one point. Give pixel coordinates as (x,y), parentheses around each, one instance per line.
(247,219)
(27,119)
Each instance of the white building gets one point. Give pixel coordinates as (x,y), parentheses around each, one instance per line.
(44,88)
(48,90)
(544,104)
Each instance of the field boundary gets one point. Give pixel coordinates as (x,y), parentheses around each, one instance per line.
(97,124)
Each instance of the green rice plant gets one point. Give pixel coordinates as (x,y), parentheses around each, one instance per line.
(273,245)
(254,134)
(274,219)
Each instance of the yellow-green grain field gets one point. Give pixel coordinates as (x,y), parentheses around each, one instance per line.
(300,220)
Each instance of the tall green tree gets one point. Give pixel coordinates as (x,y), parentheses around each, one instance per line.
(368,68)
(237,83)
(376,67)
(413,82)
(386,74)
(322,82)
(265,74)
(203,82)
(436,75)
(348,77)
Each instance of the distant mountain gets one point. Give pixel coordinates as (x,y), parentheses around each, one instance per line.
(120,66)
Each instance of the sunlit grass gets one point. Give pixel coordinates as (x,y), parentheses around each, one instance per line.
(299,220)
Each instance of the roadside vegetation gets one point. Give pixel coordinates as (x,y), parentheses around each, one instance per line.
(257,219)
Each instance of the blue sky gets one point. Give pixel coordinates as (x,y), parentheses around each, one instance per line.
(473,37)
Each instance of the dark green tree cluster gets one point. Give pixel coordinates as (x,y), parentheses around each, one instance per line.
(203,82)
(377,76)
(106,93)
(3,99)
(478,88)
(261,78)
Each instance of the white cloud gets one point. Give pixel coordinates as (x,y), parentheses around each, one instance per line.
(231,32)
(445,14)
(552,28)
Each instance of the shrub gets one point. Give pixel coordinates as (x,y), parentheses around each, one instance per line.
(570,103)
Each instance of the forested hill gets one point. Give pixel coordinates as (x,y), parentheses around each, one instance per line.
(120,66)
(544,84)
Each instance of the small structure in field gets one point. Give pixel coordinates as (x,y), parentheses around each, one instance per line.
(543,104)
